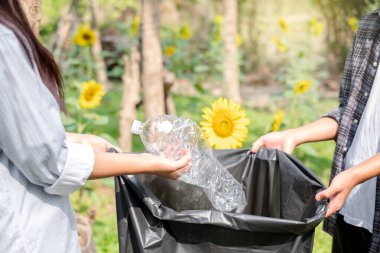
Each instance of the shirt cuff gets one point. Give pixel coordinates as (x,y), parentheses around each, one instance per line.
(78,168)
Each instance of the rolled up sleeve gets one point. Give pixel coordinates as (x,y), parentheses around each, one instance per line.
(335,114)
(77,169)
(32,135)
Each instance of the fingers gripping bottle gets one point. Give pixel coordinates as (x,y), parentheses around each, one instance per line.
(170,136)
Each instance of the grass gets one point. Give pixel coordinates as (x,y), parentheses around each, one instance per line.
(100,194)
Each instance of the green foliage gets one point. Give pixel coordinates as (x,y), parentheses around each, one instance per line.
(80,68)
(192,61)
(322,241)
(79,64)
(340,35)
(299,63)
(116,8)
(126,35)
(302,61)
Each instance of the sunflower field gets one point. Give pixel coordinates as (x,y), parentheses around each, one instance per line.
(240,69)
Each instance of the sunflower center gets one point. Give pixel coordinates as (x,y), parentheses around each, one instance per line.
(86,36)
(223,126)
(89,95)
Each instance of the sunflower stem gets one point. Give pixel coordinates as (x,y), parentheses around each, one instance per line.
(89,63)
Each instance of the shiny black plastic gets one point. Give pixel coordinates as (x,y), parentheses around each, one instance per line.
(159,215)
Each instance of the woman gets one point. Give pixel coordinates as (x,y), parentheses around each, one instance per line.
(354,191)
(40,164)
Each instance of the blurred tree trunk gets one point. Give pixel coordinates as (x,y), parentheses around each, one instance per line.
(101,73)
(169,81)
(253,34)
(169,13)
(66,24)
(152,64)
(231,63)
(32,10)
(131,88)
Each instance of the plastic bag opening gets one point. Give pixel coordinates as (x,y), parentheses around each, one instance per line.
(276,185)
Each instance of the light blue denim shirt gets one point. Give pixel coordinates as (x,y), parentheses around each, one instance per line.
(38,167)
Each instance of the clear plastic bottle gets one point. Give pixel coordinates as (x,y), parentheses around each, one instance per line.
(169,136)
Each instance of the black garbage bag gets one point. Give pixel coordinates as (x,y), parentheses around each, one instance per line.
(159,215)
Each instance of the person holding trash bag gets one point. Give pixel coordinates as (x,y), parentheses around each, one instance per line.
(354,192)
(40,164)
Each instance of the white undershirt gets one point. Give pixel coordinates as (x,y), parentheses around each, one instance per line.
(359,208)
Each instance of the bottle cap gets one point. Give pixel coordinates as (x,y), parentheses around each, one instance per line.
(136,127)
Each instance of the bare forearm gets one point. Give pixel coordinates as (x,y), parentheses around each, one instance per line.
(115,164)
(344,182)
(111,164)
(321,130)
(366,170)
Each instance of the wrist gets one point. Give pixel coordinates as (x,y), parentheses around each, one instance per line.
(294,136)
(351,178)
(356,175)
(148,163)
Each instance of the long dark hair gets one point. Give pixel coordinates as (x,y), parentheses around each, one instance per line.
(12,16)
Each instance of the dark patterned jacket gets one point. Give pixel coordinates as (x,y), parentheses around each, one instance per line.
(357,80)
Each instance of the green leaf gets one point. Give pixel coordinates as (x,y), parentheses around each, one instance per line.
(66,120)
(101,121)
(116,72)
(71,101)
(106,53)
(91,115)
(201,68)
(199,87)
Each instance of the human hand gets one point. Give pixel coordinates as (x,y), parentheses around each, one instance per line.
(167,168)
(337,192)
(283,141)
(99,144)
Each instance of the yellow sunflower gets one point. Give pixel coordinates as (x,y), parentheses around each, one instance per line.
(353,22)
(278,119)
(315,27)
(279,44)
(239,40)
(92,94)
(135,25)
(225,124)
(85,36)
(218,35)
(170,50)
(283,24)
(185,33)
(218,20)
(302,86)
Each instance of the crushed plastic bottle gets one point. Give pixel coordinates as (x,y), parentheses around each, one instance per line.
(169,136)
